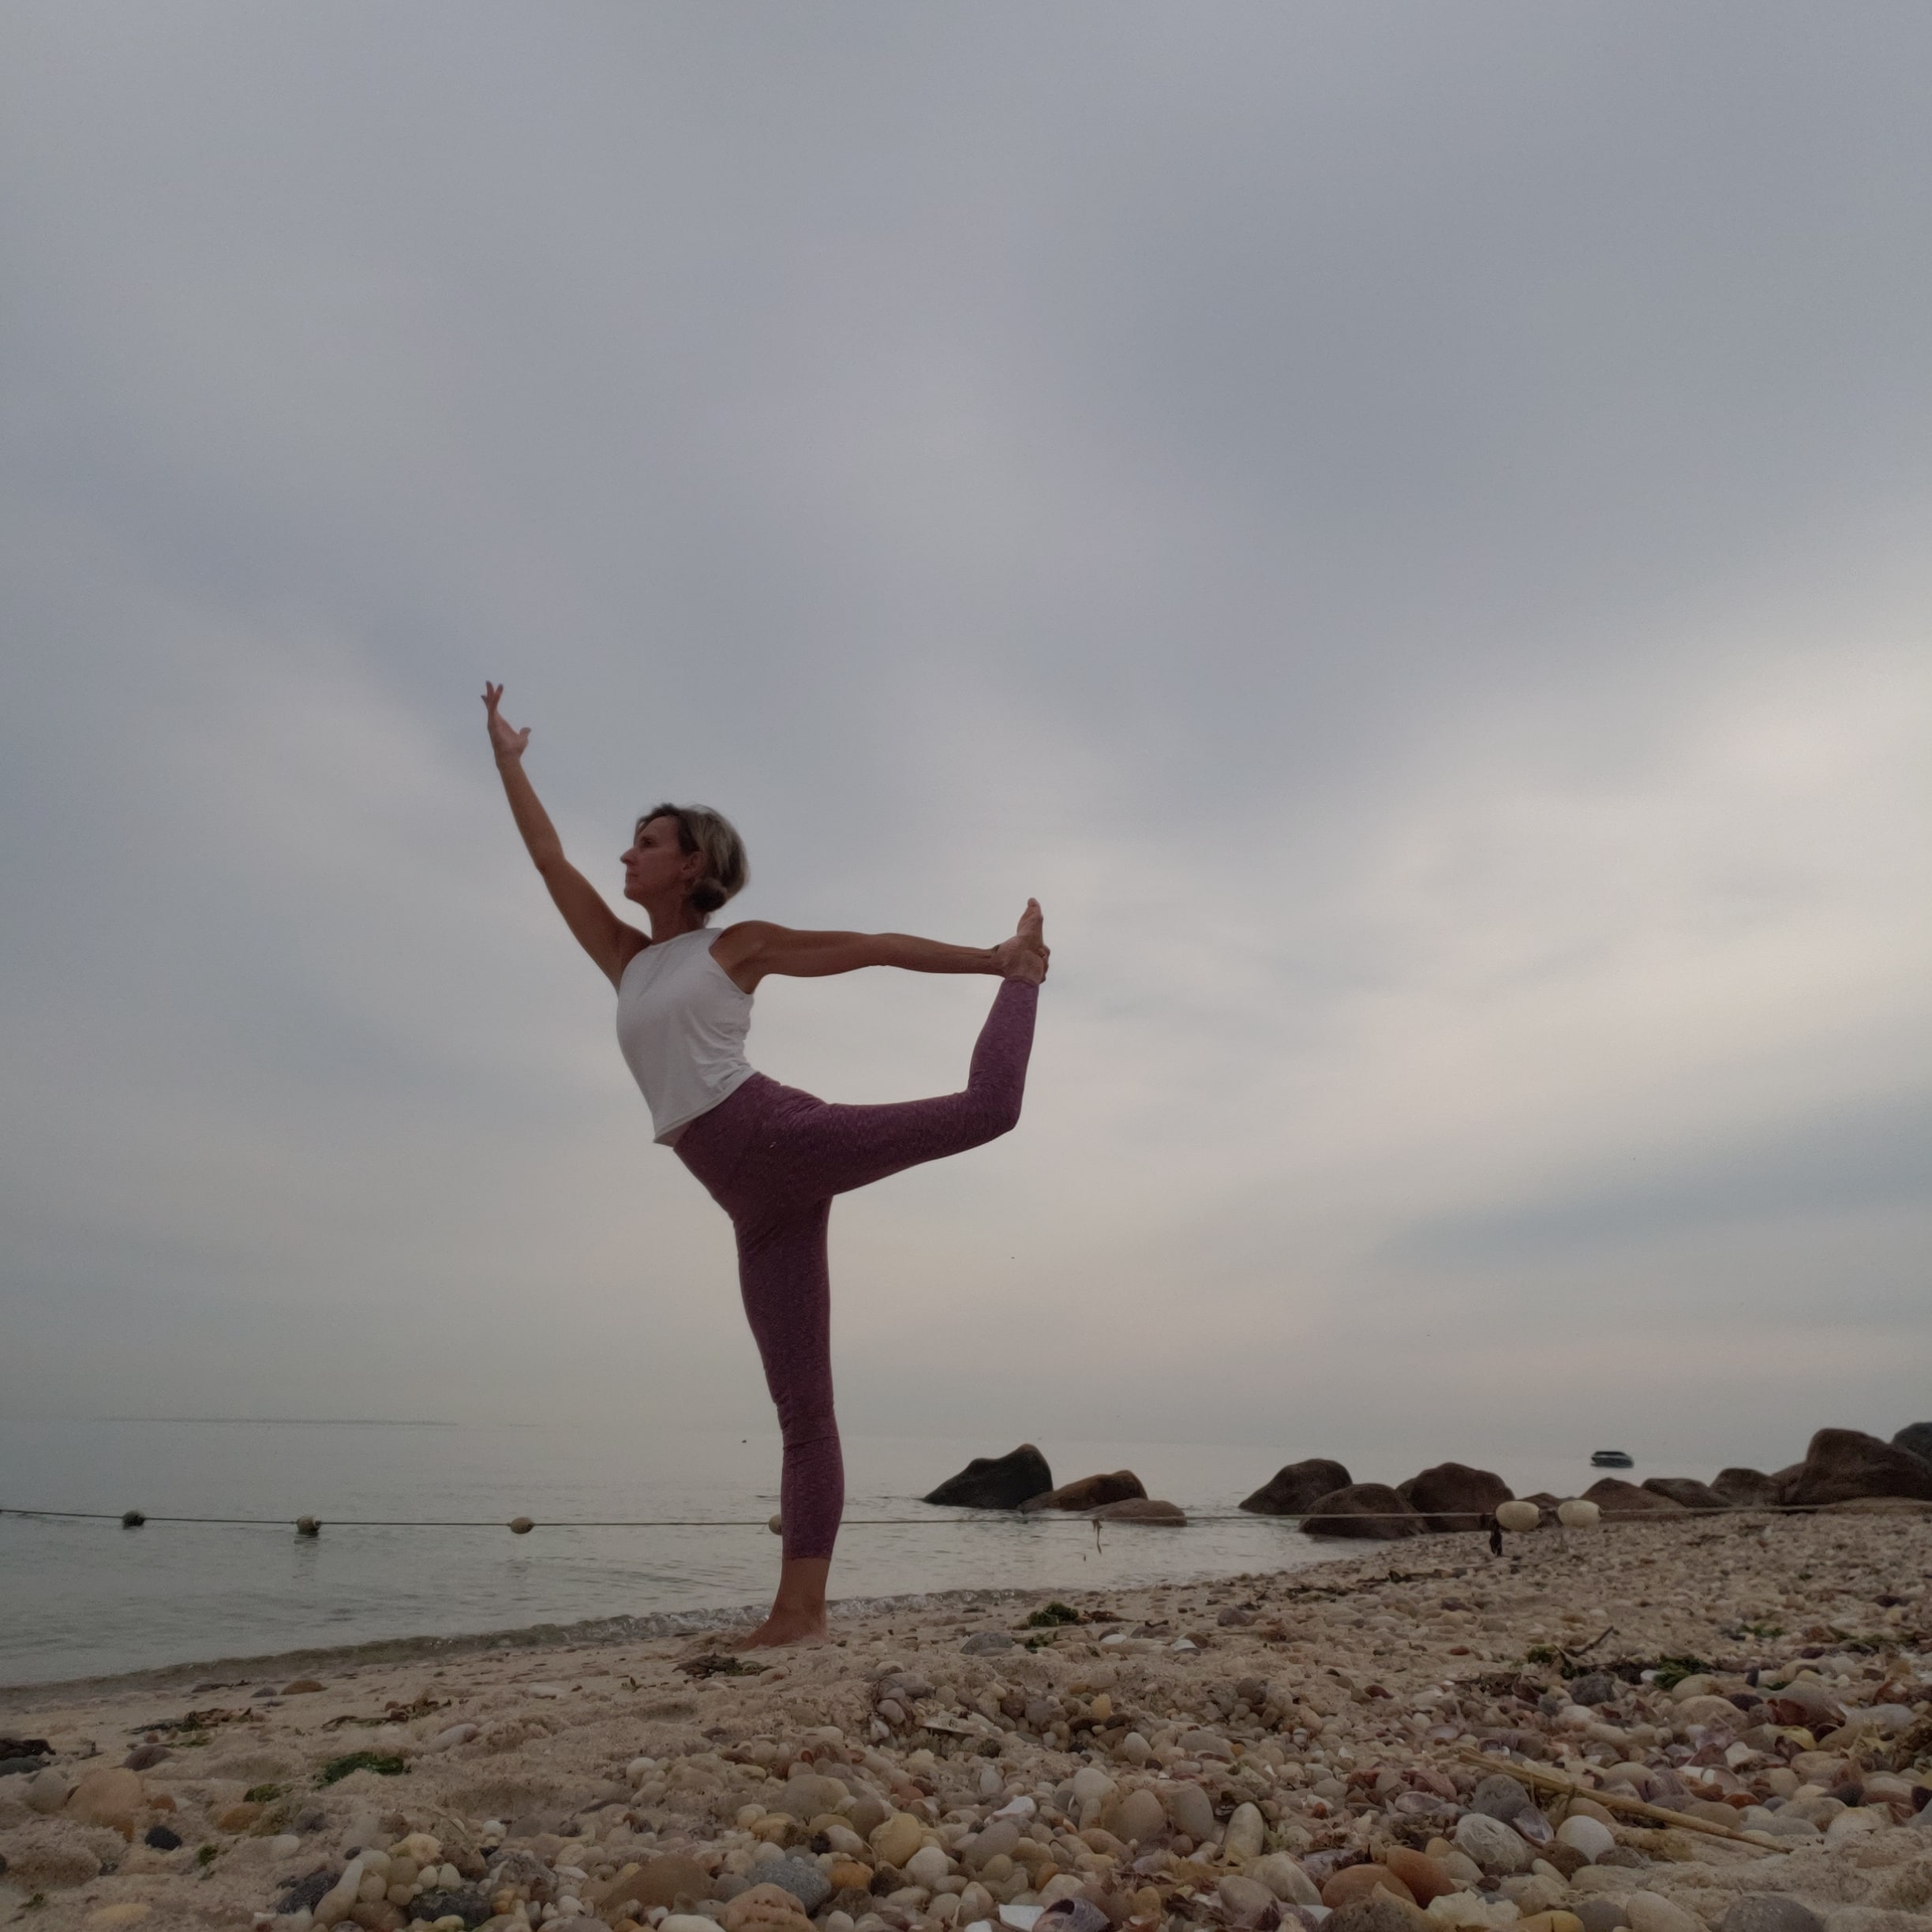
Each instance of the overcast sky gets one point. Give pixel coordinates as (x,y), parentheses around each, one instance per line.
(1405,527)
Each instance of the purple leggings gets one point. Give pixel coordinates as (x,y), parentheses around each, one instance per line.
(773,1158)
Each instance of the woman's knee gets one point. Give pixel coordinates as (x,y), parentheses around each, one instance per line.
(994,1114)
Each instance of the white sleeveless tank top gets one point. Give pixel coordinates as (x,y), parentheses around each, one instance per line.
(681,1022)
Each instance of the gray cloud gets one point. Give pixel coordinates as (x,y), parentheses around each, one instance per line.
(1405,531)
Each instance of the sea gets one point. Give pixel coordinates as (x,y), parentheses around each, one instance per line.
(414,1542)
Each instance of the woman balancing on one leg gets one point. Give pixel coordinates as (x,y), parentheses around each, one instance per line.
(771,1157)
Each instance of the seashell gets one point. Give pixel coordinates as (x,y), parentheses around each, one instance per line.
(1531,1824)
(1073,1914)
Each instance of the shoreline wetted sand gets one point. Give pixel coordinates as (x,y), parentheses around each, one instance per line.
(1241,1752)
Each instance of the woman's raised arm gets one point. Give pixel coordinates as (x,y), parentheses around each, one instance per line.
(597,928)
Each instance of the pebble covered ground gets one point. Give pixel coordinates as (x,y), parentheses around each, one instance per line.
(1425,1738)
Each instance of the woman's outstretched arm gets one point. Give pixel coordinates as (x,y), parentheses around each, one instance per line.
(598,929)
(750,950)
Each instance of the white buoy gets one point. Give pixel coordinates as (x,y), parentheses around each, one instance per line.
(776,1525)
(1578,1513)
(521,1526)
(1518,1517)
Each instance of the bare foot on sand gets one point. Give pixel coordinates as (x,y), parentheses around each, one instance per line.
(1025,955)
(778,1630)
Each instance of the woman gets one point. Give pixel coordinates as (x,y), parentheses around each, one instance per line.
(770,1156)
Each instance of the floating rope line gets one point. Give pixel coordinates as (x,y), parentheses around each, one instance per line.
(522,1525)
(134,1519)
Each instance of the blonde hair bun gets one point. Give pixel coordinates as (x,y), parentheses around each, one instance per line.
(727,871)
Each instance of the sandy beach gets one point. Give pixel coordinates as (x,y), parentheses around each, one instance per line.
(1240,1752)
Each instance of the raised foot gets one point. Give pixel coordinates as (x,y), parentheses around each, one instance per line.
(779,1629)
(1026,954)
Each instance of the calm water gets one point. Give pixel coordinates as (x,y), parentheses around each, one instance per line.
(83,1598)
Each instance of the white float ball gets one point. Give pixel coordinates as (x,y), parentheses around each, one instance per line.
(1518,1517)
(1578,1513)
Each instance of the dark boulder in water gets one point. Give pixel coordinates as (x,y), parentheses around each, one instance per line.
(1372,1511)
(997,1482)
(1454,1496)
(1292,1489)
(1746,1489)
(1616,1497)
(1088,1493)
(1842,1466)
(1142,1510)
(1686,1490)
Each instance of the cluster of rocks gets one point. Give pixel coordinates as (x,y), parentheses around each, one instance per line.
(1840,1467)
(1021,1481)
(1469,1744)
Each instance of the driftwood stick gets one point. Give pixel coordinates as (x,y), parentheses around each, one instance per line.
(1539,1779)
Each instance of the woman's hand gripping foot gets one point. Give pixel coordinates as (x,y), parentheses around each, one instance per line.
(1025,955)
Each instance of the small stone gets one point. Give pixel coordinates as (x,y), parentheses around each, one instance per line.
(1602,1913)
(1356,1882)
(1769,1911)
(661,1881)
(1381,1911)
(1246,1832)
(451,1902)
(1491,1842)
(898,1838)
(302,1687)
(868,1813)
(1245,1899)
(1647,1911)
(1498,1796)
(1135,1748)
(1285,1879)
(986,1643)
(1426,1878)
(975,1904)
(1001,1838)
(145,1757)
(1141,1816)
(46,1792)
(1191,1810)
(238,1817)
(1586,1836)
(1856,1822)
(847,1874)
(809,1795)
(926,1867)
(801,1877)
(162,1839)
(113,1797)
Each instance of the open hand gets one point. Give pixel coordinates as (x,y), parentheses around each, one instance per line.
(505,742)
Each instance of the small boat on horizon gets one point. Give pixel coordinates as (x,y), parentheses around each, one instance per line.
(1611,1458)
